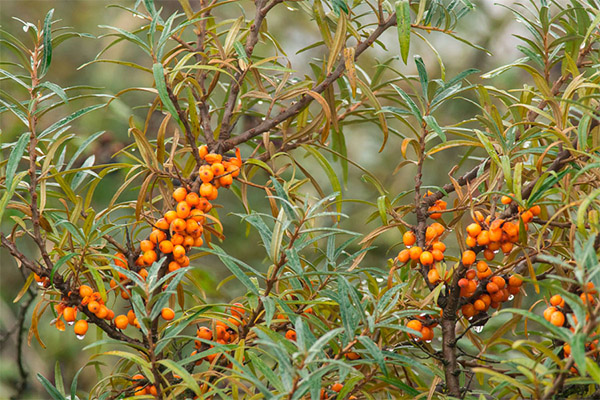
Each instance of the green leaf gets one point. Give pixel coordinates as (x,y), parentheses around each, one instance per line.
(8,194)
(432,123)
(403,22)
(374,351)
(64,121)
(232,266)
(52,391)
(422,76)
(578,352)
(59,264)
(333,177)
(161,86)
(557,332)
(185,375)
(56,89)
(593,368)
(409,102)
(47,51)
(15,156)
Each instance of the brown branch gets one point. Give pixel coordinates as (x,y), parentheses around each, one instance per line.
(234,89)
(295,108)
(186,125)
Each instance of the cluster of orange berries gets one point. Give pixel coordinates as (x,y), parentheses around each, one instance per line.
(433,252)
(439,205)
(95,304)
(497,289)
(423,324)
(223,334)
(555,312)
(143,390)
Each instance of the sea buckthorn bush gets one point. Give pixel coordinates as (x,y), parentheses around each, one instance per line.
(389,286)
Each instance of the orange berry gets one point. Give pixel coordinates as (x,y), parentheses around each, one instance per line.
(430,233)
(404,256)
(515,280)
(198,242)
(157,236)
(152,390)
(415,325)
(217,169)
(204,333)
(191,226)
(170,216)
(146,245)
(291,335)
(178,225)
(80,327)
(439,228)
(468,310)
(478,216)
(206,174)
(463,283)
(557,300)
(177,239)
(471,241)
(204,205)
(426,334)
(484,274)
(70,313)
(514,289)
(93,306)
(535,210)
(586,298)
(183,261)
(479,305)
(474,229)
(415,252)
(198,216)
(162,224)
(468,257)
(439,246)
(226,180)
(178,251)
(486,299)
(165,247)
(488,254)
(85,291)
(130,316)
(167,314)
(121,321)
(140,391)
(495,235)
(433,276)
(483,238)
(557,318)
(426,258)
(179,194)
(437,255)
(203,151)
(506,199)
(482,266)
(506,247)
(351,355)
(498,280)
(188,241)
(237,310)
(470,274)
(212,158)
(143,273)
(149,257)
(337,387)
(102,312)
(206,190)
(491,287)
(548,312)
(409,238)
(192,199)
(174,266)
(527,216)
(567,349)
(183,209)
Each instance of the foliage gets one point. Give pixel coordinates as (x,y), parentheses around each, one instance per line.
(316,321)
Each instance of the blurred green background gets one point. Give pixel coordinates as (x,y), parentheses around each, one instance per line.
(488,25)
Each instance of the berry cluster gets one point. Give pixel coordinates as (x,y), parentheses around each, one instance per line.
(224,333)
(433,252)
(423,324)
(493,291)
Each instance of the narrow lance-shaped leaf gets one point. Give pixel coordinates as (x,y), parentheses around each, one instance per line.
(403,22)
(47,51)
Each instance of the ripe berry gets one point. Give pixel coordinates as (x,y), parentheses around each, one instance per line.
(557,318)
(85,291)
(439,246)
(557,300)
(474,229)
(426,258)
(80,327)
(468,257)
(204,333)
(179,194)
(415,252)
(165,247)
(70,313)
(535,210)
(146,245)
(178,251)
(93,306)
(167,314)
(183,209)
(409,238)
(404,256)
(433,276)
(121,321)
(506,199)
(427,334)
(291,335)
(437,255)
(337,387)
(192,199)
(415,325)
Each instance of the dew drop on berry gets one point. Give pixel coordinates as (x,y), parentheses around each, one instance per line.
(71,323)
(478,329)
(511,297)
(80,337)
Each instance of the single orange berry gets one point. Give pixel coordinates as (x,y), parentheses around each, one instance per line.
(70,313)
(479,305)
(80,327)
(179,194)
(439,246)
(506,199)
(337,387)
(157,236)
(415,325)
(471,241)
(409,238)
(491,287)
(515,280)
(468,257)
(437,255)
(404,256)
(204,333)
(468,310)
(291,335)
(557,319)
(488,254)
(557,300)
(433,276)
(178,225)
(426,334)
(167,314)
(85,291)
(483,238)
(166,247)
(178,251)
(470,275)
(183,209)
(426,258)
(121,321)
(93,306)
(474,229)
(535,210)
(415,252)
